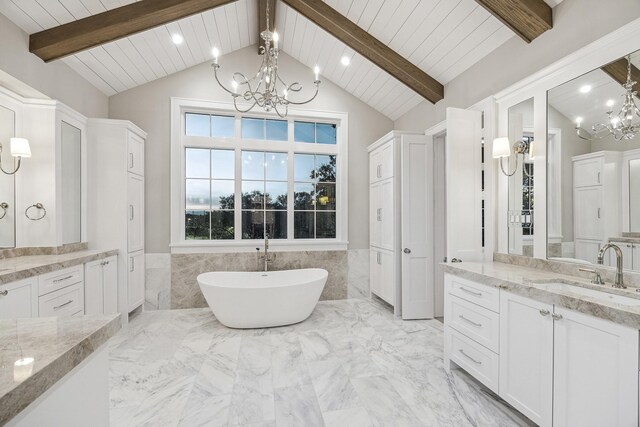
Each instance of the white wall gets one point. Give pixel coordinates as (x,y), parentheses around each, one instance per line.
(577,23)
(56,80)
(148,106)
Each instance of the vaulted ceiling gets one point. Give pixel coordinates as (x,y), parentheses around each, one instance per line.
(441,37)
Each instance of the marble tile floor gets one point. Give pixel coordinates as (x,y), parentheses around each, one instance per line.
(350,364)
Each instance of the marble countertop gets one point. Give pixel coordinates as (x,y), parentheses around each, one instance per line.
(625,239)
(535,283)
(36,353)
(18,268)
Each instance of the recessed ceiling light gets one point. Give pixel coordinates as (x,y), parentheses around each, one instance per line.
(585,89)
(177,38)
(345,61)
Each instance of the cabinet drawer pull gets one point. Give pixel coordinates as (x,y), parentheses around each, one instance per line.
(58,307)
(544,312)
(477,362)
(130,160)
(476,294)
(598,213)
(130,212)
(556,316)
(4,293)
(477,325)
(379,171)
(63,279)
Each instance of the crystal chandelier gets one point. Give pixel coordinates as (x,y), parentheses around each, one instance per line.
(266,89)
(621,125)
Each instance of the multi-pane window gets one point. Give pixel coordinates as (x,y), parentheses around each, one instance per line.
(210,194)
(314,196)
(264,195)
(527,193)
(259,177)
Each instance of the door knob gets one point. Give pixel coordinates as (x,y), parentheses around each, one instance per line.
(456,260)
(407,251)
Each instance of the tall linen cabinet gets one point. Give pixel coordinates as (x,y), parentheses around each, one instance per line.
(116,202)
(400,223)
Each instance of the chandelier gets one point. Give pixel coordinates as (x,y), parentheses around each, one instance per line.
(266,89)
(621,125)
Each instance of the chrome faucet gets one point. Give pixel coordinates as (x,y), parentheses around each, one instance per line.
(619,283)
(266,258)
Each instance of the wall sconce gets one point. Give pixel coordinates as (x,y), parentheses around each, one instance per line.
(502,148)
(19,148)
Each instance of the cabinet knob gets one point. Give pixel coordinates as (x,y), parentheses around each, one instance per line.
(4,293)
(556,316)
(544,312)
(407,251)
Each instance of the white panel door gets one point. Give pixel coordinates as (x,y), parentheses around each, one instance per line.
(110,284)
(595,372)
(375,171)
(135,279)
(587,172)
(374,271)
(135,223)
(636,257)
(19,299)
(526,356)
(93,288)
(587,250)
(135,157)
(588,213)
(375,218)
(464,190)
(387,217)
(417,230)
(627,255)
(386,160)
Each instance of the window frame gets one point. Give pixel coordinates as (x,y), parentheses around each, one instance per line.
(180,141)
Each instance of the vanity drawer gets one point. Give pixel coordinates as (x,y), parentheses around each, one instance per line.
(485,296)
(477,323)
(62,303)
(480,362)
(60,279)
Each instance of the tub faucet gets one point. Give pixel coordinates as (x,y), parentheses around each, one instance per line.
(266,257)
(619,277)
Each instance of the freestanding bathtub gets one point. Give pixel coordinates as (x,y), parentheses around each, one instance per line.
(262,299)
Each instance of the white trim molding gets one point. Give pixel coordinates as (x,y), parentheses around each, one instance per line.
(179,141)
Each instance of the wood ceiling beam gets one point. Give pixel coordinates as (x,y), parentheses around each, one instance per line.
(114,24)
(262,18)
(527,18)
(339,26)
(618,72)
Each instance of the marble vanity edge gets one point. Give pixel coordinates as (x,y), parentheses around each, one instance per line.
(625,239)
(530,290)
(25,393)
(14,276)
(632,234)
(43,250)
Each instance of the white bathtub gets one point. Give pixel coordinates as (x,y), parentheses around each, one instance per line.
(262,299)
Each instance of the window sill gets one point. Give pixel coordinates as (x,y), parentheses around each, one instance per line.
(190,247)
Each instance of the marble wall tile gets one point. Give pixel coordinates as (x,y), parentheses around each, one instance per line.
(185,292)
(158,281)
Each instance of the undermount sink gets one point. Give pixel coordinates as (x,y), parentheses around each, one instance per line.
(587,292)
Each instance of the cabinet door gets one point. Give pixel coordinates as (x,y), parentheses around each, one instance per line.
(386,160)
(627,255)
(93,288)
(374,271)
(375,171)
(135,280)
(387,215)
(375,218)
(110,284)
(135,223)
(388,276)
(595,372)
(19,299)
(587,173)
(636,258)
(135,156)
(526,356)
(587,212)
(587,250)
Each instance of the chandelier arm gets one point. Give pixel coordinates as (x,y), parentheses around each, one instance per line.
(308,100)
(514,171)
(240,110)
(215,73)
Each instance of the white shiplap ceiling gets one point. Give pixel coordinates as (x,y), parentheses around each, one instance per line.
(442,37)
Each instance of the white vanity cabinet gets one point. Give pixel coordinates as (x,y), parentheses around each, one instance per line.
(526,356)
(101,286)
(558,367)
(19,299)
(596,195)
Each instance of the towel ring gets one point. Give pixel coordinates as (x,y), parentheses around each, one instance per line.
(4,206)
(37,206)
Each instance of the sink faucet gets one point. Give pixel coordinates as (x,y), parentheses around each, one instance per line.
(619,283)
(266,258)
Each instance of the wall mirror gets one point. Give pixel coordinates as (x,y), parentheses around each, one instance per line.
(593,165)
(71,183)
(7,182)
(521,178)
